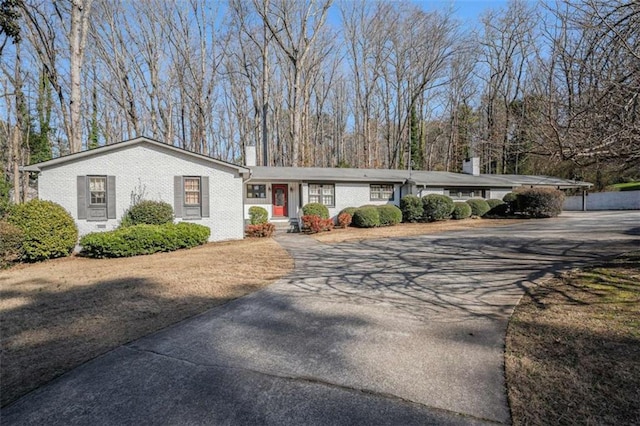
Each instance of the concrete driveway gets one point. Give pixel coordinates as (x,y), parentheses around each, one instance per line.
(394,331)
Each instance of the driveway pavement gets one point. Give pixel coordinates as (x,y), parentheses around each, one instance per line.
(393,331)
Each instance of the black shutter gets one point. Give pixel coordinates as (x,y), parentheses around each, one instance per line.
(111,197)
(177,196)
(204,192)
(82,196)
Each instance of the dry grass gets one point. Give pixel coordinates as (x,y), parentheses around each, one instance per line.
(58,314)
(573,348)
(408,229)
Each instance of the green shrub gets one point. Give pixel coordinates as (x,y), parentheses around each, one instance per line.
(436,207)
(411,207)
(316,209)
(11,238)
(461,210)
(144,239)
(479,207)
(366,217)
(258,215)
(540,202)
(499,211)
(148,212)
(349,210)
(494,202)
(49,230)
(389,215)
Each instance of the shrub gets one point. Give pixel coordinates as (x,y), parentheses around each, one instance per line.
(349,210)
(11,238)
(436,207)
(461,210)
(479,207)
(499,211)
(389,215)
(144,239)
(258,215)
(366,217)
(148,212)
(261,230)
(344,219)
(510,199)
(313,224)
(316,209)
(49,230)
(494,202)
(411,207)
(540,202)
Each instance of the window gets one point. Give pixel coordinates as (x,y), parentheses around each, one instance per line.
(192,191)
(464,193)
(256,191)
(381,192)
(98,191)
(323,194)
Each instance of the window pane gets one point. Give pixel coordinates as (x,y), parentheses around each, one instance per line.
(97,184)
(192,197)
(256,191)
(192,184)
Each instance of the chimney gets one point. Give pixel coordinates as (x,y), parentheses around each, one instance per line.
(471,166)
(250,156)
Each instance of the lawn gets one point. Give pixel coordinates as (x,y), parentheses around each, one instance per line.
(573,348)
(58,314)
(339,235)
(628,186)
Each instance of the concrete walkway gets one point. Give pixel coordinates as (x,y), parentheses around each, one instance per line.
(394,331)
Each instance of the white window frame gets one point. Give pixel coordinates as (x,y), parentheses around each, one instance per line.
(91,192)
(185,192)
(318,192)
(381,192)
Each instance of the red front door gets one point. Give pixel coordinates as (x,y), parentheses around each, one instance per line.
(279,194)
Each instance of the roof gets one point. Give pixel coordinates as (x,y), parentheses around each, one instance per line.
(322,174)
(540,180)
(131,142)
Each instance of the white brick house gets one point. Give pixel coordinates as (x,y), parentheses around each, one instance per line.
(98,186)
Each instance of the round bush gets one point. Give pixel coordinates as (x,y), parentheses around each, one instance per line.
(389,215)
(148,212)
(499,211)
(258,215)
(49,230)
(144,239)
(11,238)
(316,209)
(436,207)
(411,207)
(479,207)
(494,202)
(540,202)
(366,217)
(461,210)
(349,210)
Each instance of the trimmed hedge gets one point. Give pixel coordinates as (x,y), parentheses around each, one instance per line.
(540,202)
(49,230)
(315,209)
(261,230)
(412,209)
(479,207)
(258,215)
(436,207)
(349,210)
(494,202)
(461,210)
(11,238)
(366,217)
(148,212)
(389,215)
(144,239)
(313,224)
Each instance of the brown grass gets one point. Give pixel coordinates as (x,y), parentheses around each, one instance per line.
(58,314)
(339,235)
(573,348)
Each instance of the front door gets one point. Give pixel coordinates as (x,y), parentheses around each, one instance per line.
(279,194)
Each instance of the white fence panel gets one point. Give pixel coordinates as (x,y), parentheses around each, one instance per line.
(622,200)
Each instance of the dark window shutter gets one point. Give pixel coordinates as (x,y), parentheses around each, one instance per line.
(177,196)
(204,192)
(82,197)
(111,197)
